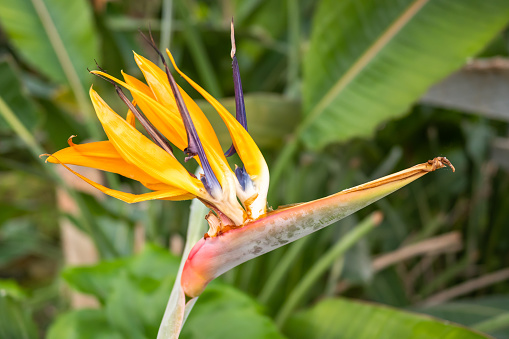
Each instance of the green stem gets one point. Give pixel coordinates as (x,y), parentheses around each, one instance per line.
(321,266)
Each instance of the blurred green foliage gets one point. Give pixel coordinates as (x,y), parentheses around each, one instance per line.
(292,55)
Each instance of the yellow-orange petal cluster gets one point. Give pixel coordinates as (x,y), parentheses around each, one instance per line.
(130,153)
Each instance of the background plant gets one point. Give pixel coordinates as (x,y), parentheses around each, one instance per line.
(336,94)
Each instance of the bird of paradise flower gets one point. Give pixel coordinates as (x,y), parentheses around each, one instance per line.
(241,227)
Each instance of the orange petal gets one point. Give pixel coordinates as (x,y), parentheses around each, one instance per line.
(139,85)
(166,122)
(158,82)
(169,123)
(169,194)
(131,118)
(101,155)
(138,150)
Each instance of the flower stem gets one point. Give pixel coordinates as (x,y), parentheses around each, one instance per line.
(176,309)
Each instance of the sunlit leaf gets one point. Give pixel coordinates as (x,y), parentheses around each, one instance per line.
(55,36)
(368,60)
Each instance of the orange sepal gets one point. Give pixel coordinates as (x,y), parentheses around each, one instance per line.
(138,150)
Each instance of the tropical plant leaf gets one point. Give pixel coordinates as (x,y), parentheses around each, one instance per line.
(95,280)
(83,324)
(136,304)
(101,281)
(225,312)
(15,321)
(54,36)
(344,319)
(369,60)
(14,97)
(473,312)
(265,112)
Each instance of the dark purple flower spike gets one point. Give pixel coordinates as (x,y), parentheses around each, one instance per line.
(240,109)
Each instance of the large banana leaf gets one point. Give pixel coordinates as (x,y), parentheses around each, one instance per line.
(369,60)
(345,319)
(54,36)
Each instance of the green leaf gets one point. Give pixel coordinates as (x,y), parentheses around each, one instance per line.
(57,37)
(83,324)
(11,288)
(136,305)
(344,319)
(15,98)
(18,238)
(15,321)
(134,290)
(369,60)
(265,112)
(224,312)
(96,280)
(473,312)
(99,280)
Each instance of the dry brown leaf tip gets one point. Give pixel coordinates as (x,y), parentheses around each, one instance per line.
(439,162)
